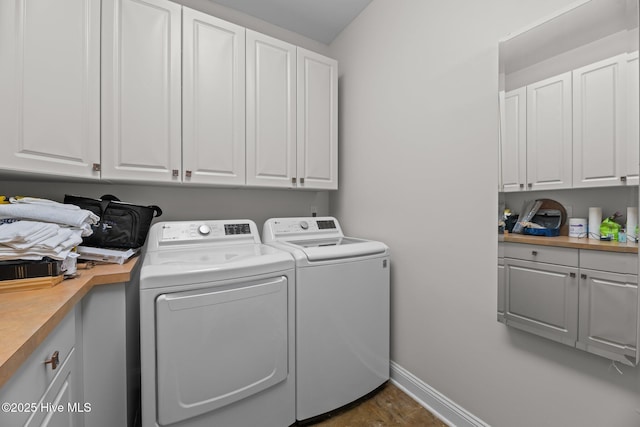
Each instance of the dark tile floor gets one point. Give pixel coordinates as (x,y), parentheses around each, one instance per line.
(389,407)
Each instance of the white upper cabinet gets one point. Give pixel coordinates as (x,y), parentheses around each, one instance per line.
(141,85)
(632,156)
(514,140)
(50,87)
(213,100)
(271,111)
(598,123)
(549,133)
(317,141)
(151,91)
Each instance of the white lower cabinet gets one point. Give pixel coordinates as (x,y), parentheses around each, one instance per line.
(542,295)
(582,298)
(44,392)
(608,319)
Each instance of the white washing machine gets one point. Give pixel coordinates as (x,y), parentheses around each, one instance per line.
(342,312)
(216,327)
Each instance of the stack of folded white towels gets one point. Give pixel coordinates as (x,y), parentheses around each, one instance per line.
(33,228)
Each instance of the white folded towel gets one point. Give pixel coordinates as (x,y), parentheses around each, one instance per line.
(26,231)
(37,212)
(43,202)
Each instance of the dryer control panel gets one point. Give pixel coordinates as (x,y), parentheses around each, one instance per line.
(209,232)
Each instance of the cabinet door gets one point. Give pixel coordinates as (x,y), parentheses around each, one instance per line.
(632,156)
(598,123)
(317,105)
(609,315)
(50,87)
(549,133)
(213,100)
(513,148)
(59,406)
(542,299)
(141,103)
(271,111)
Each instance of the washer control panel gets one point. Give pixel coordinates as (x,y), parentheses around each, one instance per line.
(276,228)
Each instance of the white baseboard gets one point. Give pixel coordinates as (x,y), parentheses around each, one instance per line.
(438,404)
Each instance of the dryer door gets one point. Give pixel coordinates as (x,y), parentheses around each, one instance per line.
(218,345)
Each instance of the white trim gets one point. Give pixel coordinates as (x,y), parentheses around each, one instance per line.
(543,20)
(438,404)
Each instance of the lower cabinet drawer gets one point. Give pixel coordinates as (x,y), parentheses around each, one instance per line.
(609,261)
(545,254)
(34,378)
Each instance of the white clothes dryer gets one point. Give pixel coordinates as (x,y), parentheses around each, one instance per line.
(342,312)
(216,327)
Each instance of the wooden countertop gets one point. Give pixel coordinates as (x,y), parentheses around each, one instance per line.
(27,317)
(571,242)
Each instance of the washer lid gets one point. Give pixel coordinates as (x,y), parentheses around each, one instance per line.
(210,263)
(337,248)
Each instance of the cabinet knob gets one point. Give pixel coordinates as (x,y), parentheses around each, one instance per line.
(623,178)
(534,253)
(529,185)
(188,174)
(293,180)
(54,361)
(521,185)
(572,274)
(96,167)
(175,173)
(301,181)
(583,276)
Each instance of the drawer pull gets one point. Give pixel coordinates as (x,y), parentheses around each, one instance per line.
(534,253)
(55,360)
(572,274)
(583,276)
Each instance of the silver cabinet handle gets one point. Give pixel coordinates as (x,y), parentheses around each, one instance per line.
(175,173)
(534,253)
(301,181)
(521,185)
(583,276)
(293,180)
(188,174)
(623,178)
(96,167)
(572,274)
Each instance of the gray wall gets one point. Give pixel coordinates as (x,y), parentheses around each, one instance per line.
(185,203)
(418,170)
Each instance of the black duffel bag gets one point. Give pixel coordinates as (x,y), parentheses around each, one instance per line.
(122,225)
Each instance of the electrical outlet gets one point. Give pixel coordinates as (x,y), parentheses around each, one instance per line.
(314,211)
